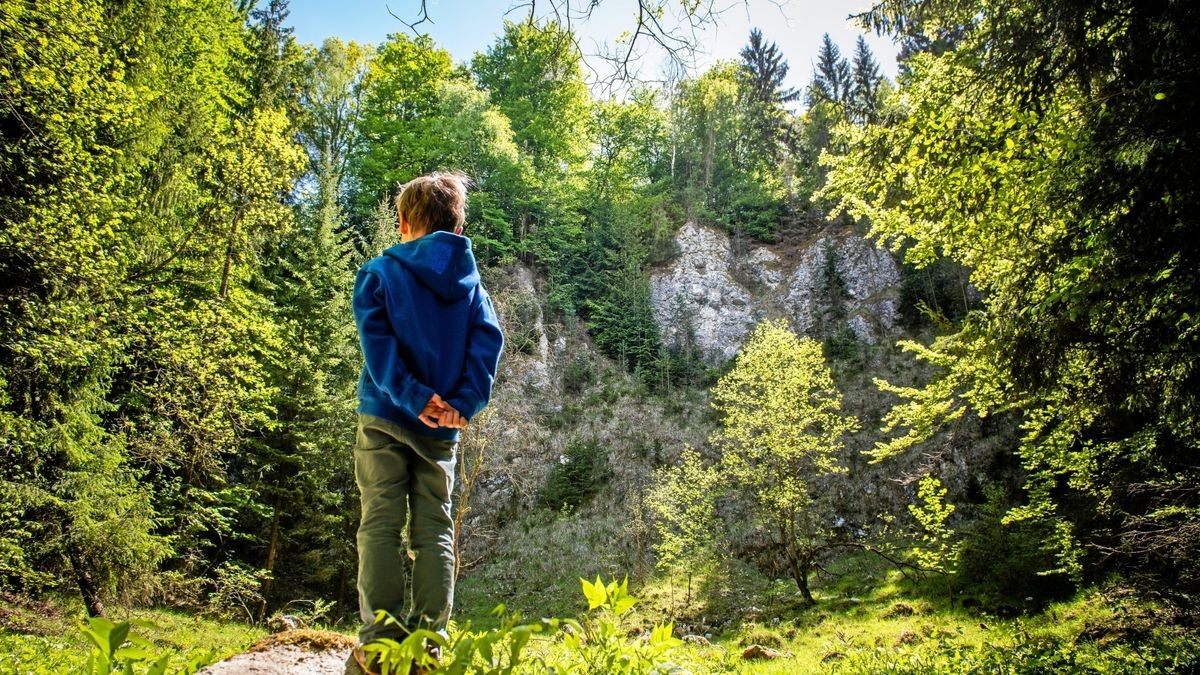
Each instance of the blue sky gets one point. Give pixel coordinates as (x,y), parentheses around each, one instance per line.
(464,27)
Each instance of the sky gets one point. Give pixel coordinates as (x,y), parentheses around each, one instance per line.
(464,27)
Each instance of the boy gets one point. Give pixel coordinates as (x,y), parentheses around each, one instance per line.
(431,344)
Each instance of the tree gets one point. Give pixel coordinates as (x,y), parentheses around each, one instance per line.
(476,137)
(766,67)
(831,77)
(765,70)
(275,60)
(137,354)
(533,75)
(395,140)
(711,147)
(683,501)
(622,319)
(781,432)
(863,101)
(1058,165)
(331,97)
(297,464)
(674,35)
(917,32)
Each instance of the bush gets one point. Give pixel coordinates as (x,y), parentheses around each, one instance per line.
(1003,564)
(580,473)
(236,591)
(578,374)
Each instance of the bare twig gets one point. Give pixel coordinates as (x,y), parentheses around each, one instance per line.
(903,566)
(672,27)
(422,17)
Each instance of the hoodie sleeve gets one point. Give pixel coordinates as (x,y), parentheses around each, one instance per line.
(381,349)
(484,344)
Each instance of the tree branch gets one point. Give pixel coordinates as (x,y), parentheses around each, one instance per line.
(903,566)
(422,17)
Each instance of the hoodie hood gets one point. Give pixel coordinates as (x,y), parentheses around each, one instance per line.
(443,261)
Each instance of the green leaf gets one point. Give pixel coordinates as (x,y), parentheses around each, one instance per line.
(624,604)
(159,667)
(595,593)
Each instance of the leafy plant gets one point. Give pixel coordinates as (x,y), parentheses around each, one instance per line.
(401,656)
(116,650)
(595,644)
(236,590)
(598,644)
(940,552)
(782,428)
(683,501)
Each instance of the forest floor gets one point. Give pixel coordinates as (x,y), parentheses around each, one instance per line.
(869,619)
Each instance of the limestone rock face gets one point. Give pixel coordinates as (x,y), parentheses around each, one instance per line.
(869,280)
(516,300)
(710,298)
(698,295)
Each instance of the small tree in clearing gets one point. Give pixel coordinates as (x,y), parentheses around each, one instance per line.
(683,502)
(782,428)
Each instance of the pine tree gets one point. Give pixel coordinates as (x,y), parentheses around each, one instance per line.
(301,472)
(274,59)
(767,69)
(831,79)
(863,104)
(764,69)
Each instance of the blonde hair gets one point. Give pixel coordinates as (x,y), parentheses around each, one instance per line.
(434,203)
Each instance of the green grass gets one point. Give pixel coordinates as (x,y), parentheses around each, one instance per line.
(537,574)
(868,618)
(873,618)
(44,637)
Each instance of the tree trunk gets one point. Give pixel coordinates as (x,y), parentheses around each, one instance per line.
(347,572)
(709,150)
(87,585)
(802,582)
(274,546)
(800,567)
(339,606)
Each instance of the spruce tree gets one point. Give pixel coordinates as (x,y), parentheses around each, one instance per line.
(831,79)
(863,103)
(764,70)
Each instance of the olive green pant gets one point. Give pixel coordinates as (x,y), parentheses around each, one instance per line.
(404,479)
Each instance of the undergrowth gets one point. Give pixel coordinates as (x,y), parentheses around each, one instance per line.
(868,619)
(41,638)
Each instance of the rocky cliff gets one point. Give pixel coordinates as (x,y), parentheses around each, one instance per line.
(556,394)
(710,297)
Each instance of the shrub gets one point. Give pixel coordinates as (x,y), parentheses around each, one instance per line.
(578,374)
(580,473)
(1004,563)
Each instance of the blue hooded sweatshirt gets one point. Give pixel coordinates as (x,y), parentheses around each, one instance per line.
(426,325)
